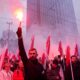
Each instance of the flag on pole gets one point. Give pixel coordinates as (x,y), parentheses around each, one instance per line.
(43,58)
(68,61)
(28,23)
(4,52)
(60,49)
(32,42)
(7,53)
(48,45)
(14,57)
(76,50)
(68,55)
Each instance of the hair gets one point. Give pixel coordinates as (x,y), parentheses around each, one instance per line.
(4,63)
(33,49)
(74,56)
(55,62)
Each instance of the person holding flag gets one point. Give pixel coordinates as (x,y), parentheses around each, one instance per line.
(69,69)
(48,45)
(60,48)
(61,62)
(75,67)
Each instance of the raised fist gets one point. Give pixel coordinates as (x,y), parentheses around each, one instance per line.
(19,32)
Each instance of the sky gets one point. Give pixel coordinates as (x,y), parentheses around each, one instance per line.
(8,7)
(7,13)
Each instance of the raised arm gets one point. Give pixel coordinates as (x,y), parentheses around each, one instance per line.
(21,46)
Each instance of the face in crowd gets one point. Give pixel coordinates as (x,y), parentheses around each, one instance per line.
(21,67)
(7,66)
(73,59)
(33,54)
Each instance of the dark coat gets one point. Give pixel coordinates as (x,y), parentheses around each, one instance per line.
(33,70)
(53,74)
(76,70)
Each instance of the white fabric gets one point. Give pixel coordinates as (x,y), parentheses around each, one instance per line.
(5,75)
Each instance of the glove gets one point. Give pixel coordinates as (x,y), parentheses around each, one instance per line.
(19,32)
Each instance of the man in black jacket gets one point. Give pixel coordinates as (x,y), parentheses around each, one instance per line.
(33,70)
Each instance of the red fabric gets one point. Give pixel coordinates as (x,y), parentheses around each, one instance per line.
(68,55)
(32,43)
(76,50)
(28,23)
(14,57)
(6,54)
(48,45)
(43,58)
(0,57)
(3,56)
(60,48)
(18,75)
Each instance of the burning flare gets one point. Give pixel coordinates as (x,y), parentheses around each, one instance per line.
(19,14)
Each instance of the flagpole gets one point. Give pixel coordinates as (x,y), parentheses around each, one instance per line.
(64,62)
(61,53)
(71,69)
(69,62)
(47,49)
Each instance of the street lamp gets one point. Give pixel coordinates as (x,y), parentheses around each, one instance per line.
(9,23)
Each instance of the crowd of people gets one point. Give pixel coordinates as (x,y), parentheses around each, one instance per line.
(31,68)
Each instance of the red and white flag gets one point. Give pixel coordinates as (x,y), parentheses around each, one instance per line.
(48,45)
(28,22)
(43,58)
(60,49)
(32,42)
(68,55)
